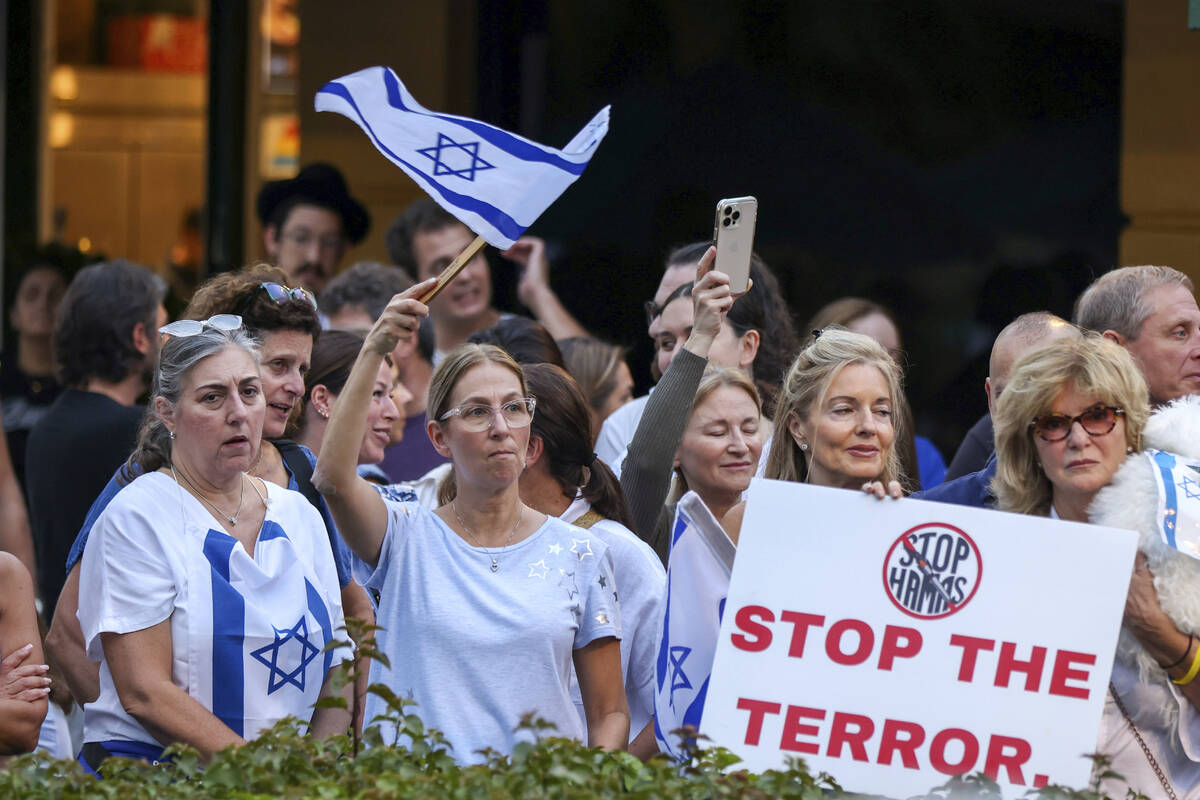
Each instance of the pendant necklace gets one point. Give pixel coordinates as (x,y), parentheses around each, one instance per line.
(495,560)
(231,520)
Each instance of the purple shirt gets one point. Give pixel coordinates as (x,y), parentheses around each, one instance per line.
(413,456)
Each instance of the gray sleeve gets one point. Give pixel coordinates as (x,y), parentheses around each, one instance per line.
(646,474)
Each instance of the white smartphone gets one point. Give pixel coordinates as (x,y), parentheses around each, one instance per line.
(733,234)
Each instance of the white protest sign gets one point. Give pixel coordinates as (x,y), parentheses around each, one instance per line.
(896,643)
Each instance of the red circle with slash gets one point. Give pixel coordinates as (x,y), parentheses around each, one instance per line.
(932,570)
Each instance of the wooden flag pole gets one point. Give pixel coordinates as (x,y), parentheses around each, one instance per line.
(455,267)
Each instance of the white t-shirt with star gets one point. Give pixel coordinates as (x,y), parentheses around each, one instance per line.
(247,633)
(643,596)
(476,648)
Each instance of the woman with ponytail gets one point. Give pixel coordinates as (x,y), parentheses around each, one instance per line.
(564,479)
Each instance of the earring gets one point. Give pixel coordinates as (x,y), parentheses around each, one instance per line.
(171,435)
(322,413)
(804,445)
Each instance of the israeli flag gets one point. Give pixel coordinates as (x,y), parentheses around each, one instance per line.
(1178,479)
(495,182)
(698,571)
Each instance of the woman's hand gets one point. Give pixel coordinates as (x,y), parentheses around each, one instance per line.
(1144,615)
(400,319)
(24,682)
(711,301)
(877,489)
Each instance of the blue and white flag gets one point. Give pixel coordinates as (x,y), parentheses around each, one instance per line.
(1178,479)
(495,182)
(698,571)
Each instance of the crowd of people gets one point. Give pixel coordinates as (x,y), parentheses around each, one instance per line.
(193,507)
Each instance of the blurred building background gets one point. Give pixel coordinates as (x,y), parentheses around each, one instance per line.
(960,161)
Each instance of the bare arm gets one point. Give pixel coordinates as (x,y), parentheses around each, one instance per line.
(598,667)
(24,686)
(65,645)
(140,663)
(14,521)
(358,510)
(328,722)
(644,745)
(356,603)
(534,290)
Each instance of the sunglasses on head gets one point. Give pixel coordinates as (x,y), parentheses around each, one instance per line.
(191,327)
(1095,421)
(282,294)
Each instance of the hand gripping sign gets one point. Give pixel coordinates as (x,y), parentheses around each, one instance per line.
(896,643)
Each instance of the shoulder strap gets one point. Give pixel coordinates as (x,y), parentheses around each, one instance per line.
(297,464)
(588,519)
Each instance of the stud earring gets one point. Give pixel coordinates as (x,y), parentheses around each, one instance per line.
(322,413)
(803,445)
(171,435)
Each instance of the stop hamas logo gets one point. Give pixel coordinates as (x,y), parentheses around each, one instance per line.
(933,570)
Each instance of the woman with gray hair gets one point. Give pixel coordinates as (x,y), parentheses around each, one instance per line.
(212,594)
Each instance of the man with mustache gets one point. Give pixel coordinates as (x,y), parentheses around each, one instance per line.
(308,223)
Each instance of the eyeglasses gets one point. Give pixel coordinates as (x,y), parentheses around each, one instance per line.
(477,418)
(1096,421)
(191,327)
(303,238)
(281,294)
(653,311)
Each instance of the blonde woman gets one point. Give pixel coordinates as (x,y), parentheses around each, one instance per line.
(836,422)
(1065,425)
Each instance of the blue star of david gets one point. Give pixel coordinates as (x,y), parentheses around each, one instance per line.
(447,160)
(679,680)
(280,677)
(1190,488)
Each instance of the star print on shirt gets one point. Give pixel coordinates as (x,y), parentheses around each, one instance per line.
(585,552)
(279,676)
(555,549)
(448,158)
(538,569)
(603,582)
(567,581)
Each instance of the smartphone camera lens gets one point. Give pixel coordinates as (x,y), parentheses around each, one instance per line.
(725,222)
(728,211)
(736,214)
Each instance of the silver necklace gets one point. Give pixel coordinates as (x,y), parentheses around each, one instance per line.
(495,560)
(231,520)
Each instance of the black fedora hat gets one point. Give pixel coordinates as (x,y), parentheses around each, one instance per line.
(323,185)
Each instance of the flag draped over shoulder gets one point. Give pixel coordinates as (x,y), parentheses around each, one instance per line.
(495,182)
(698,571)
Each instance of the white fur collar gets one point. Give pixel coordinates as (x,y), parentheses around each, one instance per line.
(1131,501)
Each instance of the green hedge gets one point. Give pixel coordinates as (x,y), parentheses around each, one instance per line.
(283,763)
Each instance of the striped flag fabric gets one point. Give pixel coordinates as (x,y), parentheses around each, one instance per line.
(495,182)
(698,571)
